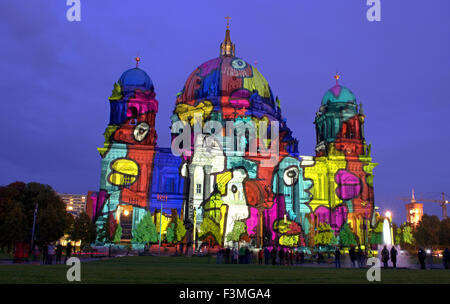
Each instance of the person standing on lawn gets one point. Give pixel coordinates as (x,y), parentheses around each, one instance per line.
(446,258)
(44,253)
(50,253)
(421,255)
(291,256)
(385,256)
(394,257)
(273,255)
(260,256)
(337,257)
(68,251)
(352,254)
(266,255)
(281,256)
(58,253)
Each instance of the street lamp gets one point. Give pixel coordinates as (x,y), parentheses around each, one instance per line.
(160,198)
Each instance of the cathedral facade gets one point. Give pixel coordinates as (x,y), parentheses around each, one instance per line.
(234,167)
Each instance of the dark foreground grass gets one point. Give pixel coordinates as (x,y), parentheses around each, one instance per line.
(198,270)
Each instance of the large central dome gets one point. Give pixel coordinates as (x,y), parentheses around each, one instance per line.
(229,83)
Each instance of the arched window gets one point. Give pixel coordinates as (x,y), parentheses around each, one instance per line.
(134,115)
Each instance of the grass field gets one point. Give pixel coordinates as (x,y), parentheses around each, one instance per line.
(198,270)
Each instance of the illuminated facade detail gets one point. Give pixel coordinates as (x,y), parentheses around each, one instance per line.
(281,204)
(128,153)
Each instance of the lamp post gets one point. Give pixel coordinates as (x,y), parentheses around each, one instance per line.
(160,198)
(34,226)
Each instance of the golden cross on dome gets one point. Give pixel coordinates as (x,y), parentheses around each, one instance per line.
(228,21)
(137,60)
(337,76)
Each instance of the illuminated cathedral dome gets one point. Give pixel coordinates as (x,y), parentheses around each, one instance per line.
(229,83)
(338,93)
(136,78)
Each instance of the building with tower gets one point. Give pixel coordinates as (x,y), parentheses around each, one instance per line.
(234,167)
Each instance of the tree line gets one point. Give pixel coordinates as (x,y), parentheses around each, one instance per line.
(18,202)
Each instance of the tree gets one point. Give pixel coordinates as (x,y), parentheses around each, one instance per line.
(394,233)
(444,232)
(170,233)
(209,226)
(117,235)
(427,232)
(239,228)
(407,235)
(145,232)
(404,235)
(180,230)
(51,221)
(346,236)
(13,223)
(106,232)
(376,235)
(324,235)
(84,230)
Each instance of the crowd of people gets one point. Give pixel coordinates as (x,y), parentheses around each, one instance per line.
(244,255)
(286,256)
(52,253)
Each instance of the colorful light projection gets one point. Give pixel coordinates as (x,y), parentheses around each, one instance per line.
(128,151)
(281,204)
(230,192)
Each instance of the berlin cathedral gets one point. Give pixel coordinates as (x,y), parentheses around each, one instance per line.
(223,188)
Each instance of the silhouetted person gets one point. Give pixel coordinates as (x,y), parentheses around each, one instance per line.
(352,254)
(394,257)
(360,257)
(281,256)
(337,257)
(227,255)
(266,256)
(69,249)
(446,258)
(58,252)
(50,253)
(421,255)
(45,253)
(273,255)
(385,256)
(260,256)
(291,257)
(302,257)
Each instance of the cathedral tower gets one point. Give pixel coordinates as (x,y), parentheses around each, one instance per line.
(128,153)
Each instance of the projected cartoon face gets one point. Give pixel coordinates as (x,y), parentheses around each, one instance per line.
(235,199)
(288,182)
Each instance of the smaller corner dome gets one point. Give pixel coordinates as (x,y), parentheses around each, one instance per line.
(136,77)
(337,94)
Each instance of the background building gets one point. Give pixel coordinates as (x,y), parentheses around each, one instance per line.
(75,203)
(414,211)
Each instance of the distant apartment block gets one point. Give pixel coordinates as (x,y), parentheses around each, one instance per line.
(75,203)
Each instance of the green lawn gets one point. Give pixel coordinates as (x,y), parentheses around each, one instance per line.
(198,270)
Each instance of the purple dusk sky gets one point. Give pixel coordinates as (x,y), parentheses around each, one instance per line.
(56,77)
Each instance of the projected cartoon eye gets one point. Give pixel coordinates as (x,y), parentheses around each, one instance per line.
(238,64)
(141,131)
(234,189)
(290,175)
